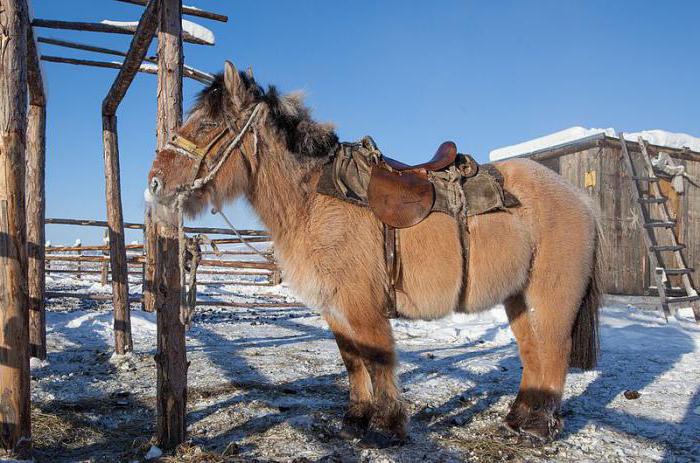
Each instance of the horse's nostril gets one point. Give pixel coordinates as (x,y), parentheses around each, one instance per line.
(155,185)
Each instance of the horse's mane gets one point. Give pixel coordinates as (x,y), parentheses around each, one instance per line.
(292,119)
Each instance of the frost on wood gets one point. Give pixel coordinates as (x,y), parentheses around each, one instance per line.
(195,30)
(572,134)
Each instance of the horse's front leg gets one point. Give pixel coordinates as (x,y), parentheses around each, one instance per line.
(360,408)
(368,333)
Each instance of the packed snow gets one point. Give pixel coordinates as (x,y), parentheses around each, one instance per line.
(572,134)
(195,30)
(269,384)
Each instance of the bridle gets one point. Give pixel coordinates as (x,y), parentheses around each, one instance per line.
(185,147)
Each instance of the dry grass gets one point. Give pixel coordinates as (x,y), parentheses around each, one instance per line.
(189,453)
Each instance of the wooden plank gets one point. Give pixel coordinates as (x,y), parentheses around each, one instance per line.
(108,28)
(15,411)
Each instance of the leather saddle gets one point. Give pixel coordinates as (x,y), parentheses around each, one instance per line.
(401,195)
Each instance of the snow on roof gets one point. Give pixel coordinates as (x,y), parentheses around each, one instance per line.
(572,134)
(194,29)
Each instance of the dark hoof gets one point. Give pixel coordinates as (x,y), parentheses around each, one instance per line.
(507,430)
(380,440)
(356,421)
(391,416)
(542,428)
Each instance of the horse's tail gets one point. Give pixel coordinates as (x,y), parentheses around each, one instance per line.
(585,345)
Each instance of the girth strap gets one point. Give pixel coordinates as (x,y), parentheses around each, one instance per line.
(392,260)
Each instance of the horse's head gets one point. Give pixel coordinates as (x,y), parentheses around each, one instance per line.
(233,131)
(213,154)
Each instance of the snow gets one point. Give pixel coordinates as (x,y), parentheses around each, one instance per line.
(192,28)
(572,134)
(271,382)
(198,31)
(153,453)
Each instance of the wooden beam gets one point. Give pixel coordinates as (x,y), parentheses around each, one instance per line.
(35,201)
(108,28)
(188,71)
(188,11)
(15,410)
(191,73)
(120,281)
(162,262)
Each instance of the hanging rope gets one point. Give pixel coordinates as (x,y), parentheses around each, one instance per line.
(264,255)
(192,246)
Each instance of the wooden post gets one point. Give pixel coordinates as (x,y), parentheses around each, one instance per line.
(104,272)
(79,268)
(120,277)
(15,420)
(171,356)
(36,200)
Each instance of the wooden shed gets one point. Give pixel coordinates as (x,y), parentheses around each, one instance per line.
(595,164)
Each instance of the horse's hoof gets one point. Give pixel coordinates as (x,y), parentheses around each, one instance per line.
(507,429)
(542,429)
(356,421)
(380,440)
(392,418)
(351,431)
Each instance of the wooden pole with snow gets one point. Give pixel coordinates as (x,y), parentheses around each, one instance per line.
(162,244)
(120,277)
(36,200)
(15,419)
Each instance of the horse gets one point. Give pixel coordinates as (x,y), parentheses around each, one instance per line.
(540,260)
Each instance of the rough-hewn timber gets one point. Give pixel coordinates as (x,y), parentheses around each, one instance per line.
(15,421)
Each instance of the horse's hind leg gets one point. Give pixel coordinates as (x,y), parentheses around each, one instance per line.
(520,410)
(552,305)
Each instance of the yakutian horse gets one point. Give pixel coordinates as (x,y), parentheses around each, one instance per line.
(540,259)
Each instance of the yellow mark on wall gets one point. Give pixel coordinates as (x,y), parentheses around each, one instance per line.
(589,179)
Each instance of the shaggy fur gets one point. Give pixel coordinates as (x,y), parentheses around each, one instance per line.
(539,259)
(301,134)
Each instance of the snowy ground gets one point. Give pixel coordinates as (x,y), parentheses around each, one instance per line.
(269,385)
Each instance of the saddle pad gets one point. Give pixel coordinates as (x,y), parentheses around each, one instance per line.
(347,175)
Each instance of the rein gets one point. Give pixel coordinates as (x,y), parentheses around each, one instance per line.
(190,149)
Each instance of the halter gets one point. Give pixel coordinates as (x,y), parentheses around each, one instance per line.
(188,148)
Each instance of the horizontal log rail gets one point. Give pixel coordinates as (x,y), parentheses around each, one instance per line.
(139,226)
(187,71)
(108,28)
(137,298)
(89,248)
(188,10)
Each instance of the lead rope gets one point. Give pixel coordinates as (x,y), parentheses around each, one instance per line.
(188,294)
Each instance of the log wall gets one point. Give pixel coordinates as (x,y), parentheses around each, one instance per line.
(626,263)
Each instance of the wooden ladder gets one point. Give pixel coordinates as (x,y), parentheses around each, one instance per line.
(660,222)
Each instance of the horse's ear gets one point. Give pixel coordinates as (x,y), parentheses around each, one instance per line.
(249,72)
(233,83)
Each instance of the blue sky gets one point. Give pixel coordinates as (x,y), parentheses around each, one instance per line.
(410,73)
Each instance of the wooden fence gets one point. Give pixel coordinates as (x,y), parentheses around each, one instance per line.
(228,265)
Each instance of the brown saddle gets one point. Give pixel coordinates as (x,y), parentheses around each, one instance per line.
(402,196)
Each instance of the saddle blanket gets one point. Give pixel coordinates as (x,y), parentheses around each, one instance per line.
(347,176)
